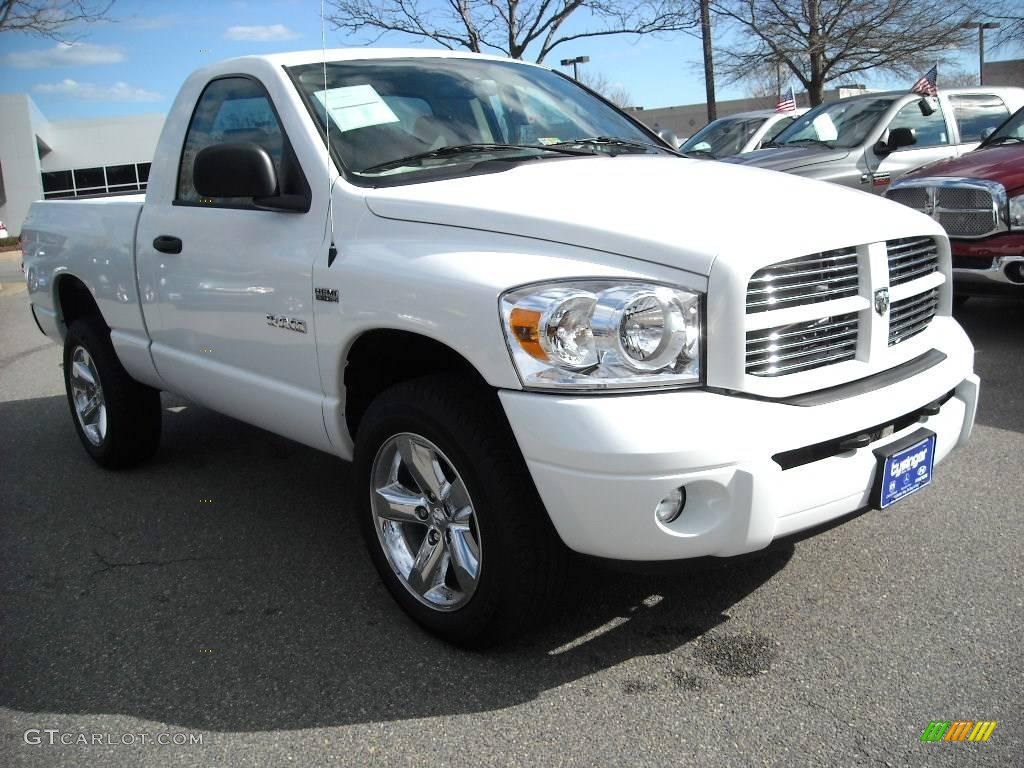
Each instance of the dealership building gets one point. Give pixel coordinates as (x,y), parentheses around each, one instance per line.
(43,159)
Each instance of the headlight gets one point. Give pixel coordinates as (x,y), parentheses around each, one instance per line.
(1017,212)
(601,334)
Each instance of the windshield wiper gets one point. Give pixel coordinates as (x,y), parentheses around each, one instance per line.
(610,141)
(808,141)
(694,154)
(455,150)
(1002,139)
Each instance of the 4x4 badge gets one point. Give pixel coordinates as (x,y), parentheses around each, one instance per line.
(882,300)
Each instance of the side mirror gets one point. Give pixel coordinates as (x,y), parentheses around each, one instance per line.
(242,169)
(988,132)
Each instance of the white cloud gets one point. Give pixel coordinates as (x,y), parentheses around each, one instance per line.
(261,34)
(65,55)
(93,92)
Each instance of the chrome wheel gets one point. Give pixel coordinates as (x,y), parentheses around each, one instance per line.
(87,395)
(425,521)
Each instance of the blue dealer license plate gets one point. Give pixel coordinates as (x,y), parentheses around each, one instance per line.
(904,467)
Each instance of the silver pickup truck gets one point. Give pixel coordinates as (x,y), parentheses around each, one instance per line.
(869,141)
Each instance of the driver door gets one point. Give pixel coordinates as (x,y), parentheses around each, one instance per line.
(232,285)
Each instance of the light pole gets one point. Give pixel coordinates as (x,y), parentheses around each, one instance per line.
(981,26)
(575,65)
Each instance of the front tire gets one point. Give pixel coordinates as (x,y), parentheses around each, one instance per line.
(117,418)
(450,515)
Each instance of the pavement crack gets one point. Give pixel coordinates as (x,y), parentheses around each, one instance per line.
(110,565)
(6,361)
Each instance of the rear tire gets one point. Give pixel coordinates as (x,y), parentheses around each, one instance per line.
(456,436)
(117,418)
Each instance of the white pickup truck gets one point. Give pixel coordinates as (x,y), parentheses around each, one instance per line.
(532,326)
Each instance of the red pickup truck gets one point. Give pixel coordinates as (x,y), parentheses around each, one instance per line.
(978,198)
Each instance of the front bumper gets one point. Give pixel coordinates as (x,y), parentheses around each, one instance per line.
(990,267)
(602,463)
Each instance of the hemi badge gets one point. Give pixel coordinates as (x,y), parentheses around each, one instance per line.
(326,294)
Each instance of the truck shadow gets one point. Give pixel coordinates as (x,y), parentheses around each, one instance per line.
(223,587)
(995,327)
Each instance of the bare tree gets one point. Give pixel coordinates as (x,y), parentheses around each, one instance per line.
(821,41)
(616,93)
(50,18)
(510,27)
(957,78)
(709,59)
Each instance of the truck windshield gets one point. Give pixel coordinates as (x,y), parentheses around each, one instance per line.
(1010,132)
(837,124)
(723,137)
(401,117)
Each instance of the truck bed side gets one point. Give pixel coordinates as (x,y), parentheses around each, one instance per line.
(72,243)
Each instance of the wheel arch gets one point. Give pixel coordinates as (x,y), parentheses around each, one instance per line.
(382,357)
(72,299)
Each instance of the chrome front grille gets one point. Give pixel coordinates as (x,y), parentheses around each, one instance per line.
(966,223)
(911,316)
(963,198)
(966,208)
(911,258)
(791,329)
(918,198)
(806,280)
(802,346)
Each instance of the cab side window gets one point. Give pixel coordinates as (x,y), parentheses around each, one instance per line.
(977,111)
(930,129)
(236,109)
(778,128)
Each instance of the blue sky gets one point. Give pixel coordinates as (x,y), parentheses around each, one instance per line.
(135,64)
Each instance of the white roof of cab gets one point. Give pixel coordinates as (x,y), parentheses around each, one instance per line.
(316,56)
(764,113)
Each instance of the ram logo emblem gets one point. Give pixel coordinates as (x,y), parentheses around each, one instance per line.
(882,301)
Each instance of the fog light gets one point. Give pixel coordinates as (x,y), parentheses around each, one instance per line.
(1015,271)
(671,506)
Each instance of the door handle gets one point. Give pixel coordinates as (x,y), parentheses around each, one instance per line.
(167,244)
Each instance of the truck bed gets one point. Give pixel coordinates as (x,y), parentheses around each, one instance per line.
(93,239)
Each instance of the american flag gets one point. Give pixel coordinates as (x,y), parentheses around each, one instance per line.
(787,102)
(926,84)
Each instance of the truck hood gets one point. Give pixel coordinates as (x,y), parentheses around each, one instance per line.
(666,210)
(789,158)
(1004,164)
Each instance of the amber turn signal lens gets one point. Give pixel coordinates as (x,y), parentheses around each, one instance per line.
(526,330)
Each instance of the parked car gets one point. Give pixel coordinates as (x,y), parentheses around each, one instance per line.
(978,198)
(739,133)
(531,327)
(869,141)
(3,230)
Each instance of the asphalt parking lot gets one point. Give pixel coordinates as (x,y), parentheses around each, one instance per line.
(222,591)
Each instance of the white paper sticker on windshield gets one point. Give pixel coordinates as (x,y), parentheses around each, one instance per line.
(356,106)
(825,128)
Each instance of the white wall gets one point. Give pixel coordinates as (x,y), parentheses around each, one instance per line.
(72,144)
(108,141)
(19,160)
